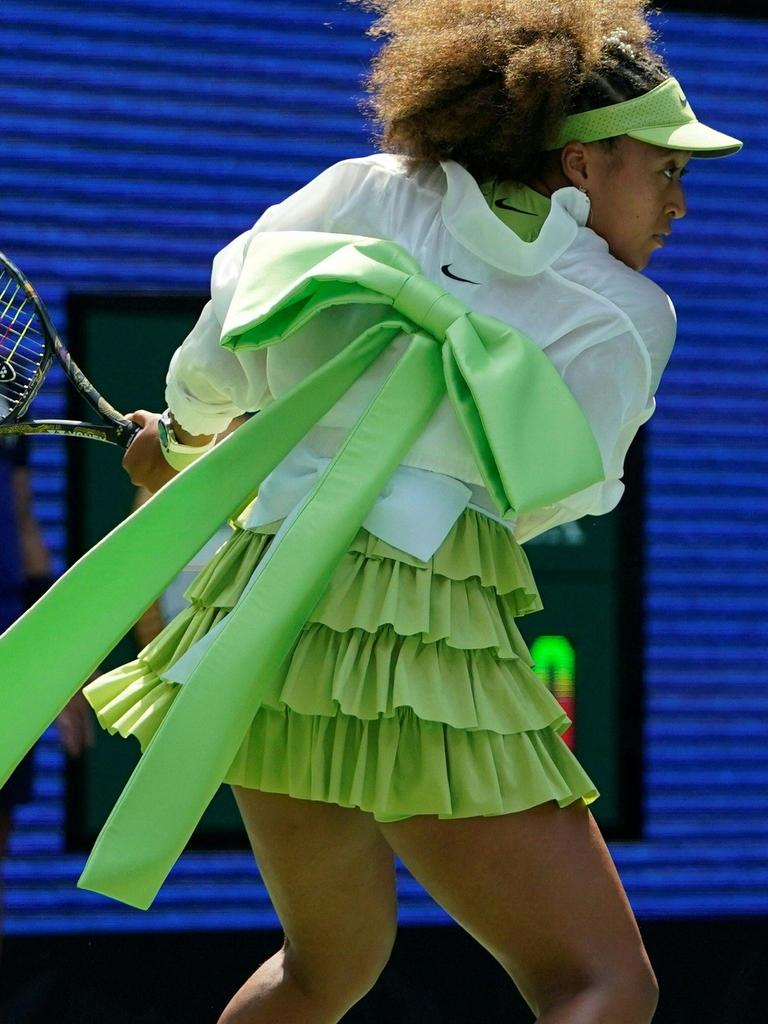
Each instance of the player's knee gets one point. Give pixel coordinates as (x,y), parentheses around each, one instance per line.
(643,991)
(626,993)
(340,976)
(631,995)
(362,976)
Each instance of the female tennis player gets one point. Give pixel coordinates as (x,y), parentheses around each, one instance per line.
(532,166)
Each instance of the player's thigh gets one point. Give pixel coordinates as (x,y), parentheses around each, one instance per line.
(538,889)
(331,878)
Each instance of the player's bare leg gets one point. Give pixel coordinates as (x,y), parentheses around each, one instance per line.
(330,876)
(539,890)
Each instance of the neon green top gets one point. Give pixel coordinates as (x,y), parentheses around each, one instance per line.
(518,206)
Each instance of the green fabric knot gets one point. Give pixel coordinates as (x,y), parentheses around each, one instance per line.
(428,306)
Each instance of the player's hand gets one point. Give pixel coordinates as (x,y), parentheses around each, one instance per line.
(144,461)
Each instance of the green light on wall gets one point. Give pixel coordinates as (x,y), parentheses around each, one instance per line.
(555,664)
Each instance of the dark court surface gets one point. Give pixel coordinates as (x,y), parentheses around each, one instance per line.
(709,971)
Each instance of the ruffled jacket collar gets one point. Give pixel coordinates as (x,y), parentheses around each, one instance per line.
(467,217)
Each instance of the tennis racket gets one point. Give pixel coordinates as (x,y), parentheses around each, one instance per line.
(28,345)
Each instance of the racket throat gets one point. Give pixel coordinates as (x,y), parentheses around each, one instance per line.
(7,372)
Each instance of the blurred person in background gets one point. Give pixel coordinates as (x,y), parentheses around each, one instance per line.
(25,573)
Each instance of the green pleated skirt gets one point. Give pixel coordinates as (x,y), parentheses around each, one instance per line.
(409,690)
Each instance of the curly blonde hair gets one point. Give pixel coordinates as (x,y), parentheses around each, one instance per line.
(486,82)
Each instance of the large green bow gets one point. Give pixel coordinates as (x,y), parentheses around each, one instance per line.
(531,441)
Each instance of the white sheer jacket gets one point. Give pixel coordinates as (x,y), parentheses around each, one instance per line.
(608,330)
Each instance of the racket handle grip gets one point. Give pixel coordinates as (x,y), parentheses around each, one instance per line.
(125,432)
(118,432)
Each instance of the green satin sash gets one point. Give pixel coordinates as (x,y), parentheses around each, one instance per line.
(531,441)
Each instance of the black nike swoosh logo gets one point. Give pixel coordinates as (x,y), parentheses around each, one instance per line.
(446,269)
(504,205)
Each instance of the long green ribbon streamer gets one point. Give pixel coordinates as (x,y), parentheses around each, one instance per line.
(531,441)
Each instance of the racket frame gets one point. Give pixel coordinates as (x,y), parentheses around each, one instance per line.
(117,430)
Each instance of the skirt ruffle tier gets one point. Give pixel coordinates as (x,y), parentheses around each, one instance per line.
(409,690)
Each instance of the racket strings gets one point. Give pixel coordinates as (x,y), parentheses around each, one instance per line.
(22,344)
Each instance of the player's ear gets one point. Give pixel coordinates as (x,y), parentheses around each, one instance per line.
(574,162)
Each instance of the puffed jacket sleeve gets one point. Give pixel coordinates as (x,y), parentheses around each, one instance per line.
(613,366)
(207,386)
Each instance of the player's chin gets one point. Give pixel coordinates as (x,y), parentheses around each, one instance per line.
(644,256)
(638,259)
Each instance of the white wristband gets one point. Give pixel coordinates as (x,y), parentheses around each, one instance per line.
(177,455)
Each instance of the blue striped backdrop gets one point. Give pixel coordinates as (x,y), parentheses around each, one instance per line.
(138,137)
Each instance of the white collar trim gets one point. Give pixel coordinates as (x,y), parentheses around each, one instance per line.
(470,220)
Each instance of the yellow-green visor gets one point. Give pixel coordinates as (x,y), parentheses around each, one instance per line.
(661,117)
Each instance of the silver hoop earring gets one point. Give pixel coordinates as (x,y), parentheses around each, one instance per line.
(583,190)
